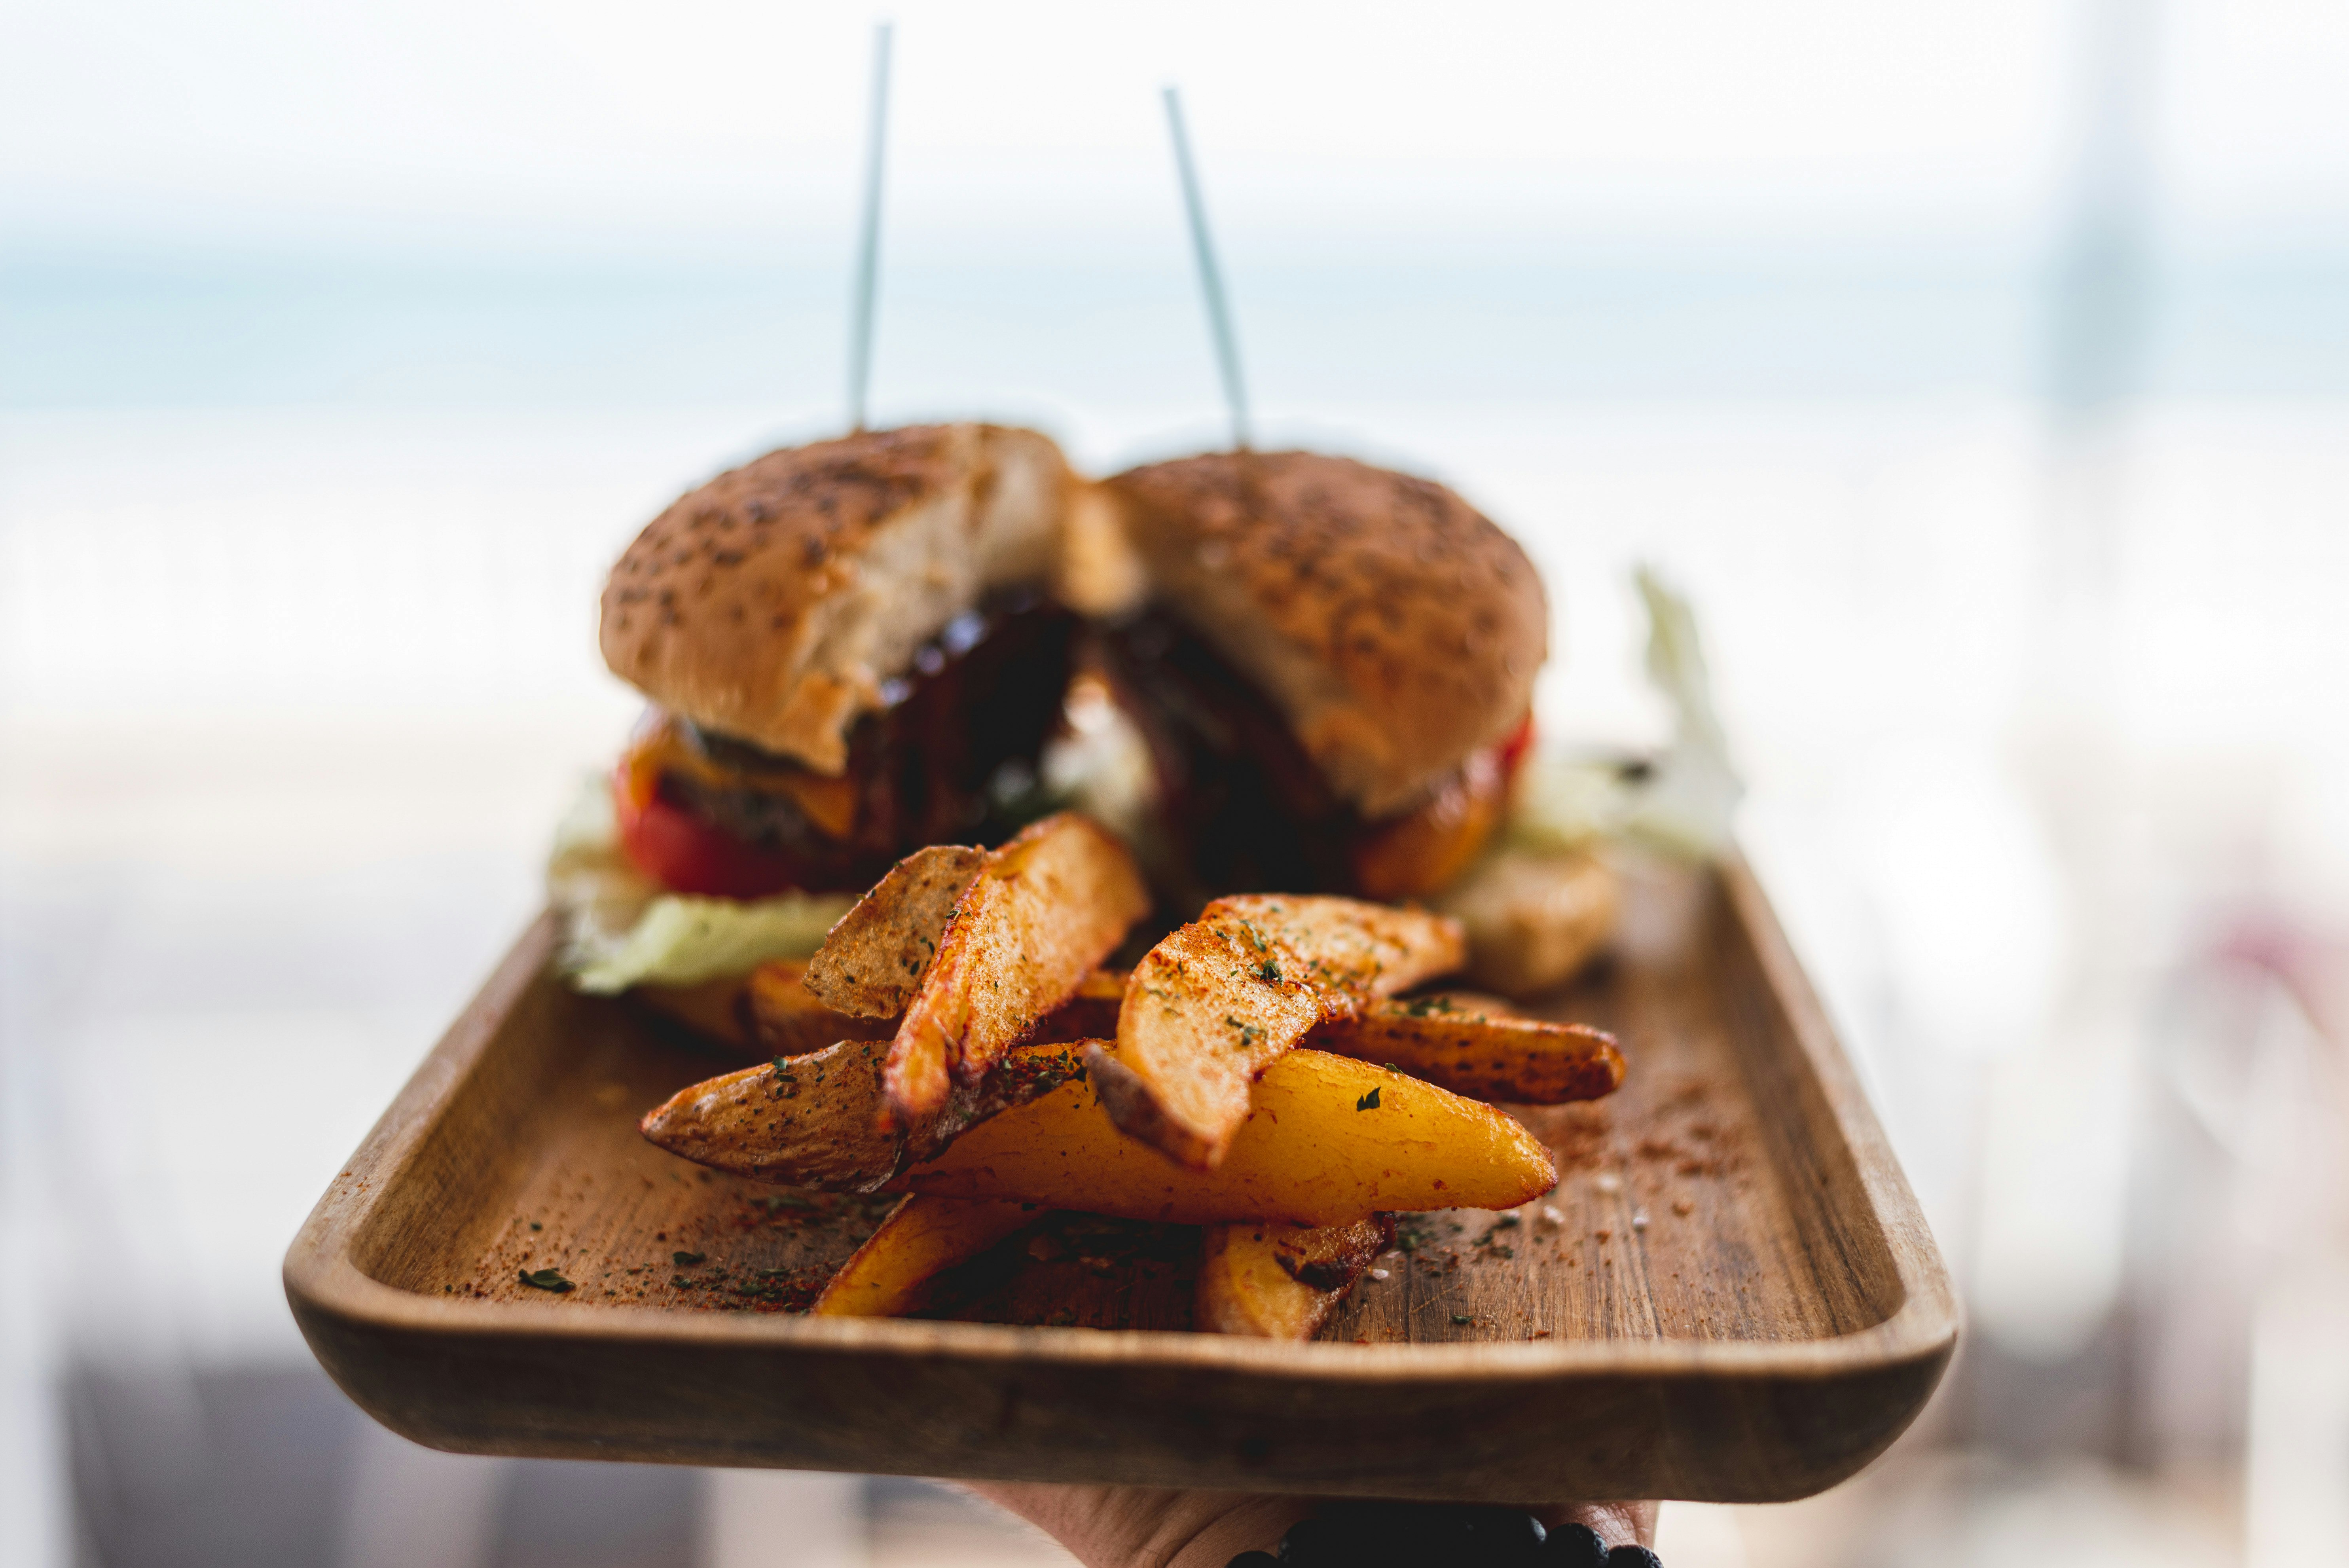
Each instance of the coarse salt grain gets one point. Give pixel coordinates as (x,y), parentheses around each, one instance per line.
(1640,1221)
(1379,1274)
(1608,1182)
(1551,1215)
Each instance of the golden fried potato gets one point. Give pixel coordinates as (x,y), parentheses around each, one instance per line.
(805,1121)
(921,1238)
(1349,950)
(1475,1046)
(1282,1282)
(1043,910)
(1534,917)
(871,965)
(1214,1004)
(1330,1140)
(718,1010)
(787,1019)
(1205,1011)
(817,1121)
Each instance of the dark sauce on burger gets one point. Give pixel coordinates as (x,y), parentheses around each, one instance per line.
(1243,805)
(1245,809)
(959,732)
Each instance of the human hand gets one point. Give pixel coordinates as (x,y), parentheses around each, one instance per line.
(1147,1527)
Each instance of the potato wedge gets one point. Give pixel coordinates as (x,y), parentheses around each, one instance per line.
(1206,1010)
(1351,950)
(1330,1140)
(1044,909)
(1474,1046)
(1282,1282)
(1214,1004)
(871,965)
(817,1121)
(923,1237)
(787,1019)
(1534,917)
(718,1010)
(804,1122)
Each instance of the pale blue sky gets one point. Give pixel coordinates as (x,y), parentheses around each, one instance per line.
(510,202)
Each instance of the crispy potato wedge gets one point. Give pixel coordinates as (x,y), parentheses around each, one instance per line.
(871,965)
(787,1019)
(1349,950)
(718,1010)
(1534,917)
(923,1237)
(1330,1140)
(1219,1001)
(804,1122)
(1475,1046)
(1044,909)
(816,1120)
(1206,1011)
(1282,1282)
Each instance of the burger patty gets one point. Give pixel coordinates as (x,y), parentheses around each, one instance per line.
(976,704)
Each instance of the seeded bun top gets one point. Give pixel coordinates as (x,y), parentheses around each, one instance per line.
(773,602)
(1393,624)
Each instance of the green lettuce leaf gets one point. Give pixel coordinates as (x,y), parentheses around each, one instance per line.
(1683,802)
(622,929)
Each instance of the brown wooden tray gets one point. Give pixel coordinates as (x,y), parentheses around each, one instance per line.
(1740,1303)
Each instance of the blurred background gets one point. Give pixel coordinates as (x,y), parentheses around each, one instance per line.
(1981,372)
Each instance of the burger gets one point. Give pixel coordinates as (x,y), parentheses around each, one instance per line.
(850,649)
(1330,667)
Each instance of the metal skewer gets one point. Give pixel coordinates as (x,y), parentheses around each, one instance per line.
(1211,279)
(868,259)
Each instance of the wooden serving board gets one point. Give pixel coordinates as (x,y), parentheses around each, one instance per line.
(1731,1296)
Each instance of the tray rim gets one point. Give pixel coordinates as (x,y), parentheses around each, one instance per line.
(321,1277)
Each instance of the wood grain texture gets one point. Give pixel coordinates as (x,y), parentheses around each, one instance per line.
(1736,1301)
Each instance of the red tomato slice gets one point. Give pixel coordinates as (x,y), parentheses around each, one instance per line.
(686,854)
(1514,749)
